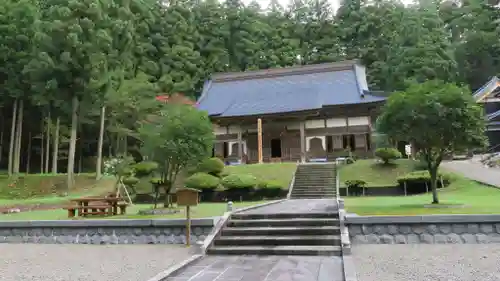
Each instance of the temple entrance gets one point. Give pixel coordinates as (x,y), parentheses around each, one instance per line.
(275,148)
(225,151)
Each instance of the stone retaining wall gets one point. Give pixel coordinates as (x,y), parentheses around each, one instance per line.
(438,229)
(104,231)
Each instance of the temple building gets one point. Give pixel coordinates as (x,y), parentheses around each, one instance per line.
(489,96)
(303,113)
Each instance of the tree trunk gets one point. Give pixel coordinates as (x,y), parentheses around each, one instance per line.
(42,147)
(80,149)
(55,151)
(19,134)
(433,173)
(100,143)
(72,143)
(12,138)
(28,161)
(1,139)
(47,144)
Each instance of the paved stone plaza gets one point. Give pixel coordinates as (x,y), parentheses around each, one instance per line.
(262,268)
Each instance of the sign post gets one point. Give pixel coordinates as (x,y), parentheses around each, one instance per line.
(187,197)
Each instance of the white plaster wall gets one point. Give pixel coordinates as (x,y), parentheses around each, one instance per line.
(357,121)
(315,124)
(336,122)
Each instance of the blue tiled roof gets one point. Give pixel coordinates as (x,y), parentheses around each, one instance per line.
(486,88)
(285,93)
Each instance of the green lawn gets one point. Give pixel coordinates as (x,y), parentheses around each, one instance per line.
(477,198)
(281,173)
(201,211)
(375,174)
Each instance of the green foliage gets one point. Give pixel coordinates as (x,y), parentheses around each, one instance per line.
(270,184)
(421,177)
(176,137)
(437,117)
(130,181)
(242,181)
(355,183)
(145,168)
(387,154)
(202,181)
(213,166)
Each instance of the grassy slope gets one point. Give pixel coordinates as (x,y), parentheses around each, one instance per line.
(201,211)
(374,174)
(279,172)
(477,198)
(46,188)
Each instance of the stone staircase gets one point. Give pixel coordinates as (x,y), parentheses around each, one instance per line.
(316,180)
(308,234)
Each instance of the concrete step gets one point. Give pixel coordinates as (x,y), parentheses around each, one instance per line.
(283,222)
(266,231)
(312,196)
(312,190)
(283,216)
(277,250)
(327,240)
(313,187)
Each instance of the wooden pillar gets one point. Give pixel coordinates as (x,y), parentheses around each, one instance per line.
(240,146)
(302,142)
(259,139)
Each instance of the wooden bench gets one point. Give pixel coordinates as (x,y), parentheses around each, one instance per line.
(89,210)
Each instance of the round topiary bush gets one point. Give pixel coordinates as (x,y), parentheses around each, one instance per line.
(145,168)
(130,181)
(213,166)
(269,189)
(240,187)
(236,181)
(387,154)
(202,181)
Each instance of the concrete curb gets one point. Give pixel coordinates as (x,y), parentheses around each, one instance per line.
(106,223)
(176,268)
(431,219)
(292,182)
(349,269)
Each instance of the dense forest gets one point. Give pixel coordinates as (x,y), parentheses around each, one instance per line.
(76,76)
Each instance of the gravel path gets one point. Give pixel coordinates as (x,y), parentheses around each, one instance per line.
(23,262)
(427,262)
(474,171)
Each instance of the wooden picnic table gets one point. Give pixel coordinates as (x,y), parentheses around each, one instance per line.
(112,202)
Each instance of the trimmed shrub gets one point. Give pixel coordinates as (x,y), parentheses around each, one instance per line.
(202,181)
(145,168)
(243,181)
(130,181)
(355,186)
(387,154)
(420,181)
(213,166)
(240,187)
(270,189)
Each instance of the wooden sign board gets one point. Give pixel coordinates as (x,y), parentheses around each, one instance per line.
(187,197)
